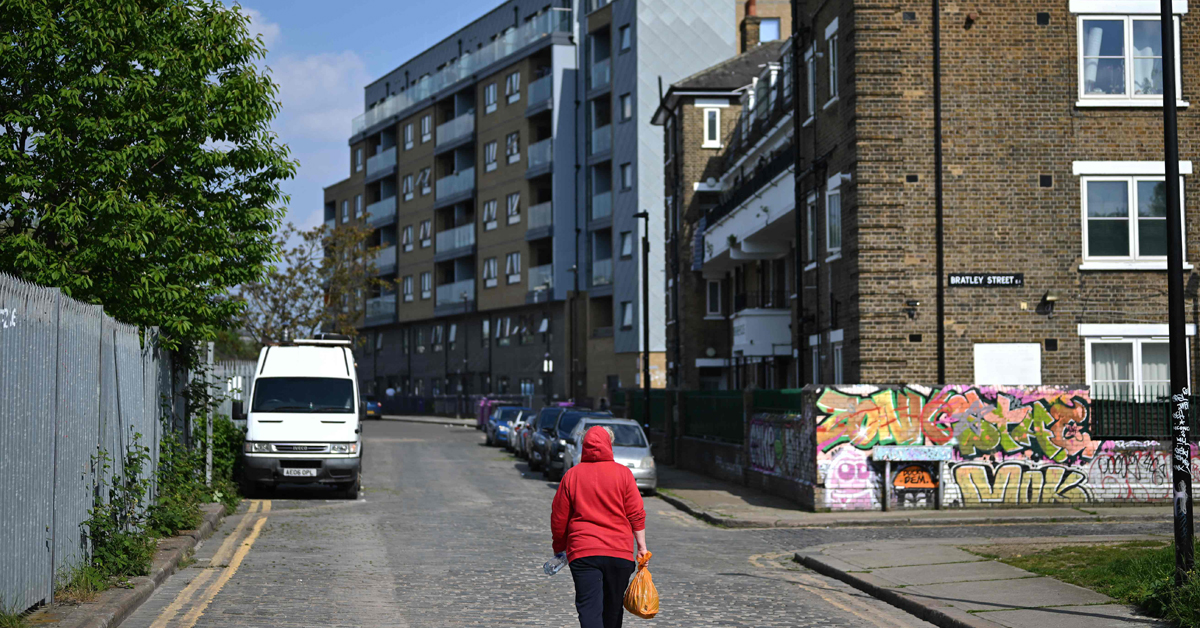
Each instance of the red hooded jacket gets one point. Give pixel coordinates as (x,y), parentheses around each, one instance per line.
(597,507)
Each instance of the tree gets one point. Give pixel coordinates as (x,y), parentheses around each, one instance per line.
(322,284)
(139,169)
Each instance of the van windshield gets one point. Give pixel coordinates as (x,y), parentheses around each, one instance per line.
(303,394)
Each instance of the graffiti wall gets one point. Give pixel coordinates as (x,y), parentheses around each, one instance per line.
(1008,446)
(782,445)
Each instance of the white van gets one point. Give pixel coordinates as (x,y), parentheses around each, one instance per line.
(303,423)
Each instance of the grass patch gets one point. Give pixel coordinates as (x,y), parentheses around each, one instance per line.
(80,585)
(12,620)
(1139,573)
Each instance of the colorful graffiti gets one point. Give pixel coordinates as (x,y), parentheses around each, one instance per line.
(1020,484)
(850,482)
(779,444)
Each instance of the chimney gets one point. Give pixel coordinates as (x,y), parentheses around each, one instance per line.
(750,26)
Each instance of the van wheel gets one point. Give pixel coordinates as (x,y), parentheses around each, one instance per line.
(351,491)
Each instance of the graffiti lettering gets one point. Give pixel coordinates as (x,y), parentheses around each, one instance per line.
(1017,484)
(8,317)
(777,445)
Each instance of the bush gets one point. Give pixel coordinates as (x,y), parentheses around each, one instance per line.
(227,445)
(180,487)
(116,526)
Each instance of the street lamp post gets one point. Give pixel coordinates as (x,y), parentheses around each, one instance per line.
(462,375)
(645,215)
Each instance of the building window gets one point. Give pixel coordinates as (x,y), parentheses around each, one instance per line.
(405,346)
(453,336)
(489,98)
(503,326)
(512,267)
(833,223)
(626,244)
(810,253)
(768,29)
(1125,217)
(712,128)
(1129,368)
(426,128)
(626,38)
(357,205)
(489,215)
(426,285)
(489,272)
(810,62)
(407,187)
(426,233)
(626,176)
(832,51)
(406,238)
(714,298)
(358,160)
(527,387)
(345,211)
(1120,58)
(626,107)
(514,208)
(838,372)
(408,136)
(669,138)
(512,87)
(486,334)
(489,156)
(512,147)
(423,181)
(627,315)
(378,340)
(408,289)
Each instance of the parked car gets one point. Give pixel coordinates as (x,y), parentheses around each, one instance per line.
(536,446)
(520,428)
(555,439)
(630,448)
(371,408)
(499,425)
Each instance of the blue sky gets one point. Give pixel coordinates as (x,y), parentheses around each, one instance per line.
(322,54)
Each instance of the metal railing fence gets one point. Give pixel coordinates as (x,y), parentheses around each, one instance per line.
(715,415)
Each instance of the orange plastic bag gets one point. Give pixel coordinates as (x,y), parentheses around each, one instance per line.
(641,598)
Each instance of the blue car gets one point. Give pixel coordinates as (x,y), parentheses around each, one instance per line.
(370,408)
(499,425)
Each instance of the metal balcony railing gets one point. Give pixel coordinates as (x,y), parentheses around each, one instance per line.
(1121,412)
(768,300)
(540,90)
(541,153)
(601,139)
(541,215)
(601,74)
(601,205)
(456,238)
(381,309)
(555,20)
(382,212)
(461,181)
(602,272)
(375,163)
(455,129)
(385,260)
(453,293)
(541,277)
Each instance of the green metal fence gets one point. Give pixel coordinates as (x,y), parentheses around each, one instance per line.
(1137,417)
(635,407)
(715,415)
(779,401)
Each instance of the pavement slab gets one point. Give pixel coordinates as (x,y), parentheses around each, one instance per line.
(1101,616)
(1020,592)
(953,572)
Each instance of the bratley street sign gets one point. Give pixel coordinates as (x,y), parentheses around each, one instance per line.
(987,280)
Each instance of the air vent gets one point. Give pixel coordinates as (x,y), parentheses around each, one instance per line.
(1046,180)
(914,337)
(909,16)
(912,178)
(1052,344)
(1043,19)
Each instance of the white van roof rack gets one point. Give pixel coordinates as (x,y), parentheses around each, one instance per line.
(325,340)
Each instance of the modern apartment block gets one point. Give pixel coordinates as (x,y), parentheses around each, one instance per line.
(501,170)
(1054,226)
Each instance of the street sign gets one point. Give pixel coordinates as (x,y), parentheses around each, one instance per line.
(987,280)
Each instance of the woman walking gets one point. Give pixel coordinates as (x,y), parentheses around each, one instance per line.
(597,518)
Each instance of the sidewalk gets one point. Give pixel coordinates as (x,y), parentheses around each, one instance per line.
(734,506)
(430,420)
(952,588)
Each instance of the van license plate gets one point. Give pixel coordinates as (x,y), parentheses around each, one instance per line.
(303,473)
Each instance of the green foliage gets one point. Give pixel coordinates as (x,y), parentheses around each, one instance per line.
(1140,573)
(180,487)
(140,169)
(12,620)
(79,585)
(116,526)
(228,441)
(229,345)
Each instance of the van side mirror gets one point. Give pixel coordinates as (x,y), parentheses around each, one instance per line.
(238,411)
(570,441)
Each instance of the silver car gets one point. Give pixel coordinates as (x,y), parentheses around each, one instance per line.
(630,448)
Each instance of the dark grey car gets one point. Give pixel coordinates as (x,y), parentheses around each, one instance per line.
(555,439)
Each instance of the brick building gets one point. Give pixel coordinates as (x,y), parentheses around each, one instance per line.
(1054,228)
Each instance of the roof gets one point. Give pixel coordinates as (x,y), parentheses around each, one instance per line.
(729,75)
(307,361)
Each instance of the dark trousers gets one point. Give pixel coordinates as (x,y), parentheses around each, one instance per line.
(600,583)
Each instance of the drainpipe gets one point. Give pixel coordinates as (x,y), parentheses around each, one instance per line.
(939,232)
(798,198)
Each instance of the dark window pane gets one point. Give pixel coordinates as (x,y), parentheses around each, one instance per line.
(1152,199)
(1152,236)
(303,394)
(1108,238)
(1107,199)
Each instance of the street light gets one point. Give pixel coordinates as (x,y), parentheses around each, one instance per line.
(645,215)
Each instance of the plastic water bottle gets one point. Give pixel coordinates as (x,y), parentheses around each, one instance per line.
(554,565)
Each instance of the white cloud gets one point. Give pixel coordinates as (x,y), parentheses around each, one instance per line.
(320,94)
(260,26)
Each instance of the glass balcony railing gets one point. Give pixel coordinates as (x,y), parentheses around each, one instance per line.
(455,129)
(601,74)
(601,139)
(602,205)
(541,215)
(541,153)
(453,293)
(602,272)
(330,223)
(382,212)
(378,162)
(555,20)
(456,238)
(541,90)
(461,181)
(381,309)
(385,260)
(541,277)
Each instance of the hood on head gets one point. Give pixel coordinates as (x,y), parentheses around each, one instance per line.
(596,445)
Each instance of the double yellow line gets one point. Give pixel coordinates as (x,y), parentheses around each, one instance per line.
(226,555)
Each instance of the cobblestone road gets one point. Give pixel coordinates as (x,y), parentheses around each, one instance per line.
(451,533)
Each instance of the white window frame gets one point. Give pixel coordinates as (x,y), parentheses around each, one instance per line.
(423,178)
(625,38)
(358,208)
(345,211)
(407,187)
(489,214)
(833,191)
(489,156)
(1136,334)
(490,267)
(490,95)
(512,147)
(709,312)
(408,289)
(837,350)
(426,285)
(512,87)
(814,349)
(626,104)
(426,234)
(1130,172)
(627,315)
(406,240)
(1128,13)
(358,160)
(626,244)
(426,128)
(512,267)
(408,136)
(513,208)
(626,174)
(831,51)
(810,210)
(709,124)
(810,66)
